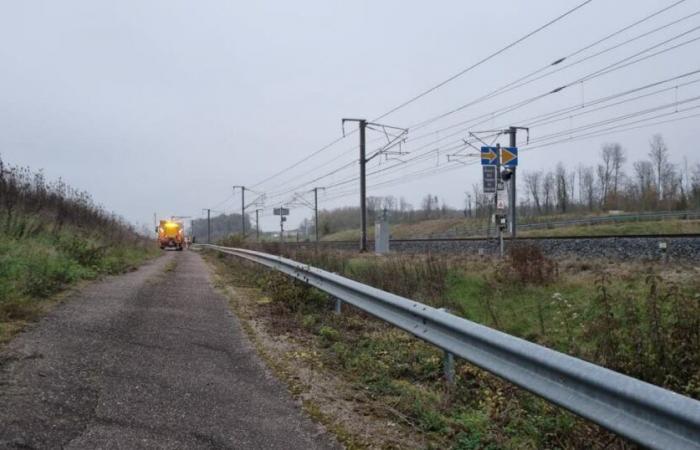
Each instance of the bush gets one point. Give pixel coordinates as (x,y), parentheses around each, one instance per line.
(329,334)
(653,337)
(529,265)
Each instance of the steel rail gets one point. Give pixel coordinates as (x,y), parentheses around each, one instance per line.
(525,238)
(647,414)
(593,220)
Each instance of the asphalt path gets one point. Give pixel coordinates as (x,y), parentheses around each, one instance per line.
(150,359)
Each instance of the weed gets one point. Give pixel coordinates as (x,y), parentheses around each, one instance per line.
(51,236)
(527,264)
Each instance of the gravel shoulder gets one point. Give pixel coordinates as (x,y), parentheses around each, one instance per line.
(150,359)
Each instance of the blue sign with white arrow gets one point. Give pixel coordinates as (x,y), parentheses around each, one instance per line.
(489,156)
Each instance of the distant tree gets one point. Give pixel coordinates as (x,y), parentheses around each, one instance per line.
(609,172)
(533,184)
(562,189)
(548,186)
(658,153)
(644,181)
(430,205)
(695,185)
(586,190)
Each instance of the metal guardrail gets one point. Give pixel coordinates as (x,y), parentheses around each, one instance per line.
(644,413)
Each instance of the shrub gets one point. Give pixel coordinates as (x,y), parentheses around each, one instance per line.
(529,265)
(329,334)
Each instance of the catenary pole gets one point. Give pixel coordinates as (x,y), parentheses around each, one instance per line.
(242,188)
(511,209)
(363,183)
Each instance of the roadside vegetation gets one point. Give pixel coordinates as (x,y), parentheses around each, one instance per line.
(52,236)
(639,319)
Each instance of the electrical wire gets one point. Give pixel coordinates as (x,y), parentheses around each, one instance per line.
(481,61)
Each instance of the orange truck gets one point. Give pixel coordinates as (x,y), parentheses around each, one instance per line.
(171,234)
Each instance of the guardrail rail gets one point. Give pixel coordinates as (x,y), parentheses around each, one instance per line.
(644,413)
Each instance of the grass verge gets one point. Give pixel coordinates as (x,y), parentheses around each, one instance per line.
(639,320)
(38,261)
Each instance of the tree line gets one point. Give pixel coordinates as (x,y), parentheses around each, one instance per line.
(652,183)
(222,225)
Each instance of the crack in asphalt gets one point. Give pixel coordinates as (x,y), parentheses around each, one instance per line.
(149,359)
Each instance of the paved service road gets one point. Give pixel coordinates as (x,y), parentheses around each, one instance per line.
(150,359)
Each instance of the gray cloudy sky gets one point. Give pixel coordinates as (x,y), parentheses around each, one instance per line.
(162,106)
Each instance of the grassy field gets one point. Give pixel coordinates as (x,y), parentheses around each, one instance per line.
(640,320)
(39,260)
(438,227)
(651,227)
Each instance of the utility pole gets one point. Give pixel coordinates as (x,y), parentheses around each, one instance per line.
(363,163)
(511,209)
(498,217)
(257,225)
(281,225)
(208,224)
(513,131)
(242,188)
(363,183)
(315,190)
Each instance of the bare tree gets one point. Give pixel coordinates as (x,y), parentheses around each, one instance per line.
(644,176)
(548,184)
(562,187)
(610,172)
(604,172)
(533,183)
(695,185)
(389,202)
(586,179)
(430,205)
(482,202)
(404,206)
(658,153)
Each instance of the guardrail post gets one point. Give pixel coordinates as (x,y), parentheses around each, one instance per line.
(646,414)
(448,362)
(338,306)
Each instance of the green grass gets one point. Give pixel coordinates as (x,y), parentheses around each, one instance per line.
(673,226)
(427,228)
(595,310)
(39,263)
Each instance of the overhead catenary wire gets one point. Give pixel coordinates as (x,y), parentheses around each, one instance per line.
(481,61)
(527,79)
(612,67)
(425,173)
(635,58)
(475,121)
(434,88)
(433,170)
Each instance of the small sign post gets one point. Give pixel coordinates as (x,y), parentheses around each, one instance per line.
(282,212)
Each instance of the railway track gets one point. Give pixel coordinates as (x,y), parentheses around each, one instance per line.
(541,238)
(670,247)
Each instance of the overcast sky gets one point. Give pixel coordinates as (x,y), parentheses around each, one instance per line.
(163,106)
